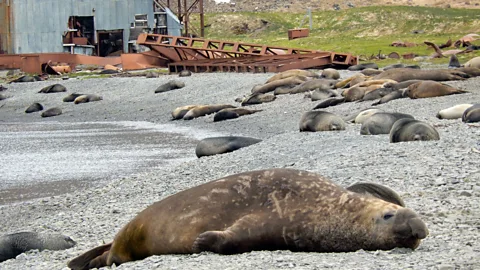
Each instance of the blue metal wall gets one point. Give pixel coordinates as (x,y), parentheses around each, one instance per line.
(38,25)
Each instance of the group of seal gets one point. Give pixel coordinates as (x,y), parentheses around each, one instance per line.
(222,112)
(271,209)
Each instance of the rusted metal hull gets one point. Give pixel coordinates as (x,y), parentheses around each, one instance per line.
(203,55)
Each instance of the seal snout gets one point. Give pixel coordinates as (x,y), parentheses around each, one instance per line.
(419,229)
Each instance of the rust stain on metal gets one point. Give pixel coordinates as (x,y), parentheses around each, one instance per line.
(5,29)
(298,33)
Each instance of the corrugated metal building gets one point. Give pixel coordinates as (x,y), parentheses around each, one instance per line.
(35,26)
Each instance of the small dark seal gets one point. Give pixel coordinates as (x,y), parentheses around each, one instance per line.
(54,88)
(35,107)
(221,145)
(169,86)
(52,112)
(406,129)
(14,244)
(321,121)
(472,114)
(72,97)
(185,73)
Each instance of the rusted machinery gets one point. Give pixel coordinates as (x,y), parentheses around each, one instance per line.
(203,55)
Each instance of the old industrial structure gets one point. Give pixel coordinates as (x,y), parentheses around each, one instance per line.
(92,27)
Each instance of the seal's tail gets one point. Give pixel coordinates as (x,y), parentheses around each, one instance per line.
(94,258)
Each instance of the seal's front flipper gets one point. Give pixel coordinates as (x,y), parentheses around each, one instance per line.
(377,190)
(246,234)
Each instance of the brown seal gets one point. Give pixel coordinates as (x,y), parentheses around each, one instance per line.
(289,82)
(274,209)
(405,74)
(72,97)
(293,73)
(474,62)
(87,98)
(330,73)
(427,89)
(203,110)
(180,112)
(257,98)
(14,244)
(406,129)
(472,114)
(321,121)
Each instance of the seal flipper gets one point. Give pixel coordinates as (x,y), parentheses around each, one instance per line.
(94,258)
(379,191)
(243,236)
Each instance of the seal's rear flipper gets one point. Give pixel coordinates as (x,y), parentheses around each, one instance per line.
(379,191)
(94,258)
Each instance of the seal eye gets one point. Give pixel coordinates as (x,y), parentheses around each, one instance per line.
(387,216)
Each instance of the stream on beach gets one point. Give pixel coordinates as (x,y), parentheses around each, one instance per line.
(45,159)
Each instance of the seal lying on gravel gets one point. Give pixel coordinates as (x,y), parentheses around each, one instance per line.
(472,114)
(72,97)
(405,74)
(35,107)
(169,86)
(221,145)
(407,129)
(454,112)
(180,112)
(273,209)
(200,110)
(321,121)
(427,89)
(52,112)
(293,73)
(87,98)
(54,88)
(381,123)
(256,98)
(232,113)
(14,244)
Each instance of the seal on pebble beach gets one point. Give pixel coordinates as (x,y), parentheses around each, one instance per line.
(454,112)
(427,89)
(232,113)
(221,145)
(169,86)
(381,122)
(203,110)
(321,121)
(52,112)
(72,97)
(87,98)
(472,114)
(406,129)
(272,209)
(35,107)
(54,88)
(14,244)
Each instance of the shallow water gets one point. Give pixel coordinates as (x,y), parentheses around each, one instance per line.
(45,159)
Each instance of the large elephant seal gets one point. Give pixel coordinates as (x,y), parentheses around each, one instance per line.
(232,113)
(427,89)
(407,129)
(14,244)
(35,107)
(454,112)
(87,98)
(221,145)
(54,88)
(169,86)
(52,112)
(72,97)
(275,209)
(405,74)
(321,121)
(472,114)
(203,110)
(381,123)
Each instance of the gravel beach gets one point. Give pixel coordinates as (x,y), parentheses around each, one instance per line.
(440,180)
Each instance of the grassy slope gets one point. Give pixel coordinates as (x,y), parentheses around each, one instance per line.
(360,31)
